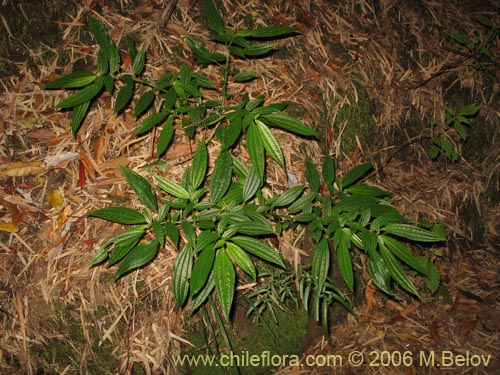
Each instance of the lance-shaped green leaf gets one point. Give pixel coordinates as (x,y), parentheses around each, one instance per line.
(141,187)
(241,259)
(102,62)
(202,269)
(414,233)
(200,298)
(144,102)
(199,166)
(205,239)
(77,116)
(203,55)
(343,245)
(254,228)
(150,122)
(84,95)
(328,170)
(172,188)
(172,233)
(74,80)
(258,248)
(138,257)
(124,96)
(245,76)
(228,134)
(312,175)
(213,17)
(367,190)
(159,232)
(355,174)
(124,243)
(403,253)
(397,272)
(181,274)
(255,150)
(221,176)
(131,48)
(138,62)
(224,278)
(251,184)
(165,137)
(109,84)
(106,43)
(321,264)
(252,50)
(267,32)
(288,123)
(380,275)
(289,196)
(122,215)
(270,143)
(189,232)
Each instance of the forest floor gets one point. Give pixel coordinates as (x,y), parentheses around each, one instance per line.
(368,76)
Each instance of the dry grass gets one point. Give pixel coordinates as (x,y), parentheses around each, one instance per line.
(52,304)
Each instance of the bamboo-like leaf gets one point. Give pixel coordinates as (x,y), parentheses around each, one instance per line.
(141,187)
(77,117)
(254,228)
(267,32)
(144,102)
(343,245)
(106,43)
(122,215)
(150,122)
(202,269)
(414,233)
(189,232)
(199,166)
(165,137)
(258,248)
(181,274)
(289,196)
(270,143)
(74,80)
(355,174)
(397,273)
(255,150)
(312,175)
(138,62)
(241,259)
(84,95)
(224,278)
(138,257)
(321,263)
(109,84)
(221,176)
(288,123)
(230,133)
(251,185)
(172,188)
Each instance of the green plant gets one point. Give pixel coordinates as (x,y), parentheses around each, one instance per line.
(219,219)
(442,141)
(479,49)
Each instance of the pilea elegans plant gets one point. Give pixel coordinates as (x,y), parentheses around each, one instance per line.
(219,219)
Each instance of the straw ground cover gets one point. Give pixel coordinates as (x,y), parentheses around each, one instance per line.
(106,327)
